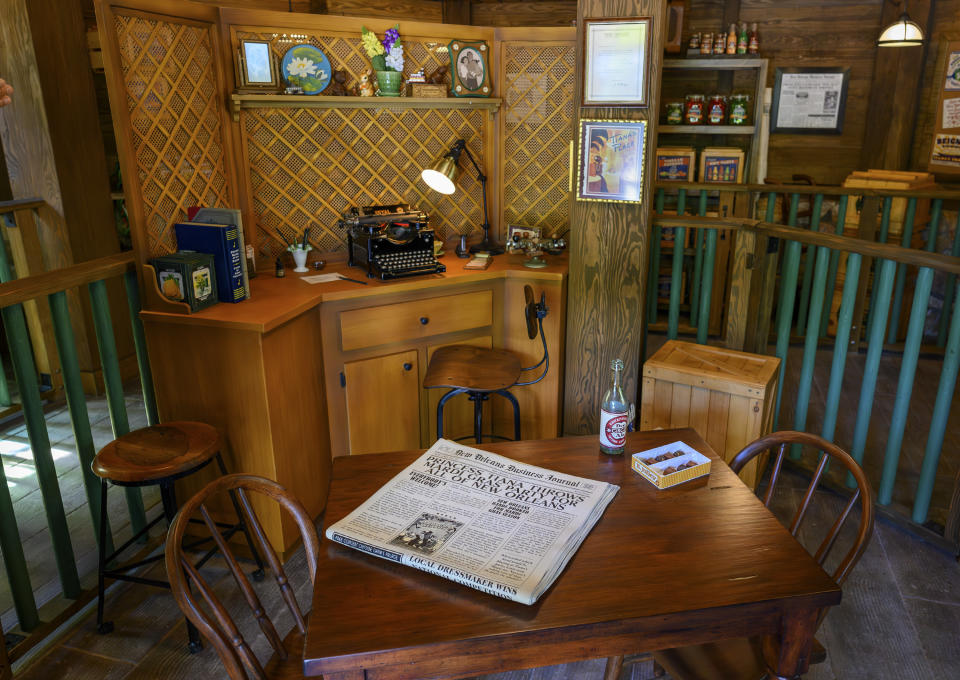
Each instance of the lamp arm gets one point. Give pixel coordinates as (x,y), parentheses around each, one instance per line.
(483,182)
(480,175)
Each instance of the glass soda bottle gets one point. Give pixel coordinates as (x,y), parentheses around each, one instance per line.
(613,414)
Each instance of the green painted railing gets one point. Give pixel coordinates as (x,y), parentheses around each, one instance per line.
(876,279)
(57,287)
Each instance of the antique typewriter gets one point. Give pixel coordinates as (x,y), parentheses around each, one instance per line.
(390,241)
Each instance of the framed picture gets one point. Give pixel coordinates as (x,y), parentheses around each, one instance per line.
(809,100)
(522,232)
(469,68)
(256,66)
(676,164)
(721,164)
(616,61)
(610,161)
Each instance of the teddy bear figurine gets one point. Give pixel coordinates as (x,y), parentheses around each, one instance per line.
(338,84)
(439,76)
(366,87)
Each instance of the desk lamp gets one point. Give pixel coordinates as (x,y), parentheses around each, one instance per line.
(440,176)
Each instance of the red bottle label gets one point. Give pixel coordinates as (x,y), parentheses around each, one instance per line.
(613,428)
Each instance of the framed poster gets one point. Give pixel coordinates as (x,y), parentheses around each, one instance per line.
(610,163)
(469,68)
(945,146)
(809,100)
(615,67)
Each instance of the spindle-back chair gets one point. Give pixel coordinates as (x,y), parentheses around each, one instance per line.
(214,622)
(744,658)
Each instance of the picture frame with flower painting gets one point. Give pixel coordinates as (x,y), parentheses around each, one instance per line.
(306,69)
(470,68)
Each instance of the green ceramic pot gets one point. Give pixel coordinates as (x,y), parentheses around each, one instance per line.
(389,82)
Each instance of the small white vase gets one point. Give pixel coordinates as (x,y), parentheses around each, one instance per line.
(300,258)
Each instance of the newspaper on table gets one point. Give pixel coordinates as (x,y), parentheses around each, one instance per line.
(479,519)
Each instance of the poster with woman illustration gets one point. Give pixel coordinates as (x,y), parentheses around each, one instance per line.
(611,160)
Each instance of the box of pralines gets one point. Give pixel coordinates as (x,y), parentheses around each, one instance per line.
(671,464)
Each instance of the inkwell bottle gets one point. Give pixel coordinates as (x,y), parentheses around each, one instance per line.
(613,414)
(280,271)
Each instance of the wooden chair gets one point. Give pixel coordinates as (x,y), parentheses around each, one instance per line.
(479,372)
(214,622)
(744,658)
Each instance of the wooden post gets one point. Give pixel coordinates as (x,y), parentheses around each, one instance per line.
(609,247)
(894,94)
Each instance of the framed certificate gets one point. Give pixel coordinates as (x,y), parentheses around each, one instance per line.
(809,100)
(610,166)
(615,54)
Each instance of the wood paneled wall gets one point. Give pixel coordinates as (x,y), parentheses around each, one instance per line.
(482,12)
(946,23)
(812,33)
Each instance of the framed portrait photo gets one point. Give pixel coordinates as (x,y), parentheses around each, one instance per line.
(611,159)
(256,67)
(470,68)
(616,63)
(809,100)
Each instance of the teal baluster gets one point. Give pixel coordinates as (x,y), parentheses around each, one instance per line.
(676,272)
(788,294)
(114,388)
(840,345)
(697,263)
(654,273)
(884,228)
(901,278)
(935,210)
(705,295)
(18,576)
(77,405)
(771,207)
(834,265)
(950,290)
(818,293)
(875,333)
(140,346)
(808,269)
(938,422)
(908,368)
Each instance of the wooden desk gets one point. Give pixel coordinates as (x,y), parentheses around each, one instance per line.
(300,372)
(699,562)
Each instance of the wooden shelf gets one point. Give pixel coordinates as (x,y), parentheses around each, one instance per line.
(706,129)
(249,101)
(720,63)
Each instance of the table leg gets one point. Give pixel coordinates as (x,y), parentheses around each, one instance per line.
(787,654)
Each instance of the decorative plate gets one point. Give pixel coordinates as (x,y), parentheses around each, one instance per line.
(307,67)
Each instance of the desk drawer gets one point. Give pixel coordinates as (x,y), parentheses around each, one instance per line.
(413,320)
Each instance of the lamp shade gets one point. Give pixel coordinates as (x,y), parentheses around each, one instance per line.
(901,33)
(440,176)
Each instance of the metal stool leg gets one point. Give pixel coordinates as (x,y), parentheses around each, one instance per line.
(242,523)
(443,400)
(516,412)
(169,497)
(103,627)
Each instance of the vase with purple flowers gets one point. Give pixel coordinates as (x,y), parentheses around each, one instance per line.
(387,59)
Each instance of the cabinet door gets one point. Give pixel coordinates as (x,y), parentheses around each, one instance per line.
(458,412)
(383,403)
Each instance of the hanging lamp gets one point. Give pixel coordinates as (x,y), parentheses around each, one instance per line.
(902,33)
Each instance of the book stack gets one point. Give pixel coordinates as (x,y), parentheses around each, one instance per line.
(219,232)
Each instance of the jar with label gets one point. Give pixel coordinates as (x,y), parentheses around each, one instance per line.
(674,113)
(739,109)
(693,109)
(717,110)
(720,43)
(706,43)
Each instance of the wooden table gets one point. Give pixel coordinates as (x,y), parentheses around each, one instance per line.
(702,561)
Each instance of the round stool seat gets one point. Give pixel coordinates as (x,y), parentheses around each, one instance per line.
(157,452)
(473,368)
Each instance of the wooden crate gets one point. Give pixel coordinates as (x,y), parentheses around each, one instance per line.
(728,397)
(891,179)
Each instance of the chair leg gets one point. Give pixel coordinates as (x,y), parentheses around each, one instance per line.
(516,412)
(169,497)
(241,522)
(103,627)
(614,666)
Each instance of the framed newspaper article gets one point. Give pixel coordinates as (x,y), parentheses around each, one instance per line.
(809,100)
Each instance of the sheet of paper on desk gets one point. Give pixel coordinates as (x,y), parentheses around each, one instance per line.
(321,278)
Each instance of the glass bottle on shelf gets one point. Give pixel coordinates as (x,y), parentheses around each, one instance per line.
(753,44)
(742,39)
(613,414)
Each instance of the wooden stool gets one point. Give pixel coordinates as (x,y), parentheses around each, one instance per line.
(479,372)
(158,455)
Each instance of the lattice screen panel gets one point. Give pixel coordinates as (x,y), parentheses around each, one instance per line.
(346,52)
(168,70)
(538,115)
(309,165)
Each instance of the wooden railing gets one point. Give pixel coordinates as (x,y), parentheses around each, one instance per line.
(799,311)
(52,287)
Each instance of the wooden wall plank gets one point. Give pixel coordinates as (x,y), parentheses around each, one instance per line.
(420,10)
(609,250)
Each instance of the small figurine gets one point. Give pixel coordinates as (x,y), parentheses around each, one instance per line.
(417,77)
(338,84)
(439,76)
(367,88)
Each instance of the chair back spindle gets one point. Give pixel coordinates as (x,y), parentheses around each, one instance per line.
(214,621)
